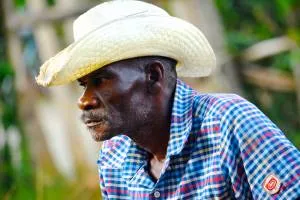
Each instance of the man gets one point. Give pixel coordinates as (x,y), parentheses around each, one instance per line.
(163,140)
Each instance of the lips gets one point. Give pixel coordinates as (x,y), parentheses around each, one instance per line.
(95,119)
(93,123)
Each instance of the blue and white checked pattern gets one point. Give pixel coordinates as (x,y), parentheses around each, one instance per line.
(221,147)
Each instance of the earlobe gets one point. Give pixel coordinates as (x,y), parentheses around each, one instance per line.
(154,76)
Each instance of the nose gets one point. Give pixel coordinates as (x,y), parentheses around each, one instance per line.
(88,100)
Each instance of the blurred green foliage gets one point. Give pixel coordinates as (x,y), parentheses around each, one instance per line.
(249,22)
(20,3)
(12,178)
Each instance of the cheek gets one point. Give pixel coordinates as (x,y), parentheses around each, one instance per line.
(119,99)
(126,104)
(129,108)
(140,107)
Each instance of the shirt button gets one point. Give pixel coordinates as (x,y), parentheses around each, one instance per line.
(156,194)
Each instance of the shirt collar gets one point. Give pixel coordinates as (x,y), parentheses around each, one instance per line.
(181,119)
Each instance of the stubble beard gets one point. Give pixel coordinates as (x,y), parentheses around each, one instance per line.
(100,129)
(100,132)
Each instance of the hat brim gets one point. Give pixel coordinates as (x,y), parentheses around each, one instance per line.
(134,37)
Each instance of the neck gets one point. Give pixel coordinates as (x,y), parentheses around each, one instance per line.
(155,141)
(154,137)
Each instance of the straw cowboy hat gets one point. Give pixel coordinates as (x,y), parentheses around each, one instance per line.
(119,30)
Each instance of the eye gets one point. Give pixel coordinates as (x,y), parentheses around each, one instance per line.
(99,80)
(82,84)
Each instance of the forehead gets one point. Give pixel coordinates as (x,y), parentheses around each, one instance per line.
(120,68)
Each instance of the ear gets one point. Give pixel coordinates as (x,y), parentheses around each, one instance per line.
(154,76)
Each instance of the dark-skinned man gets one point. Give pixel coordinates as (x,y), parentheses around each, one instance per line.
(125,97)
(163,140)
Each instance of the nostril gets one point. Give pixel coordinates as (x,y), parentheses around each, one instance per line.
(88,107)
(87,103)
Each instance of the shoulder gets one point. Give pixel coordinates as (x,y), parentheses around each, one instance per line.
(236,119)
(235,115)
(113,152)
(218,105)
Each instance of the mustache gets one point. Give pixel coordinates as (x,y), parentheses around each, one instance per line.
(93,115)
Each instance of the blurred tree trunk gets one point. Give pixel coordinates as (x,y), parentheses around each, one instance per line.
(15,158)
(52,111)
(27,93)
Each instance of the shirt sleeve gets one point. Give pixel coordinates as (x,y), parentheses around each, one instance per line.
(260,161)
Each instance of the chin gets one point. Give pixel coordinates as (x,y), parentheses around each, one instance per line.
(100,137)
(100,133)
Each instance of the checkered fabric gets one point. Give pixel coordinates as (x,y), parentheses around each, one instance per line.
(221,147)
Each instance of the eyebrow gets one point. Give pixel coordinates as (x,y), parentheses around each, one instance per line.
(80,80)
(94,74)
(103,71)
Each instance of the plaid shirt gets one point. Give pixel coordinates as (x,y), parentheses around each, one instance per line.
(220,147)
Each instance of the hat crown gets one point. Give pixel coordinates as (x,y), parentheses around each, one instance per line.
(112,11)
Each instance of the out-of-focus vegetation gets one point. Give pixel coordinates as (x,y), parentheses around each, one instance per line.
(16,177)
(20,177)
(246,23)
(22,180)
(249,22)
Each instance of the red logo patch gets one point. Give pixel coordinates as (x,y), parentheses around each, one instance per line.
(271,184)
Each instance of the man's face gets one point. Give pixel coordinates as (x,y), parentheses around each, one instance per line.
(114,100)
